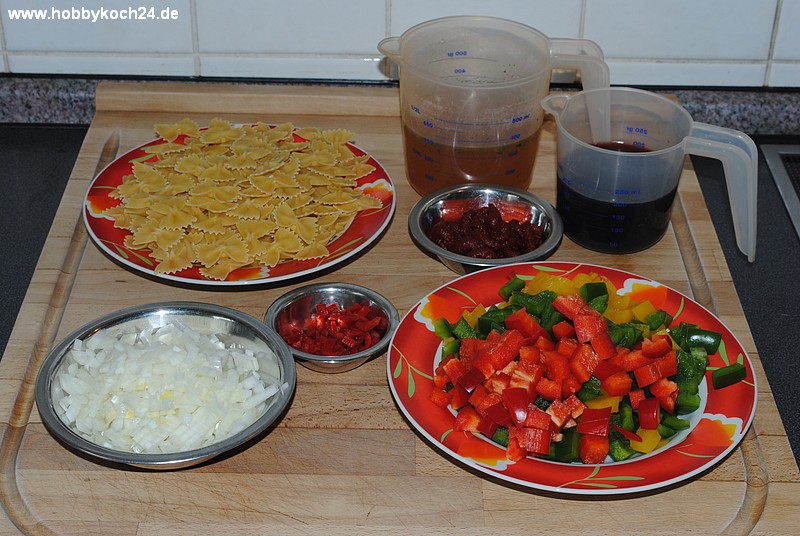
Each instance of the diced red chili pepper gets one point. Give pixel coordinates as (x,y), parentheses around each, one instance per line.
(333,330)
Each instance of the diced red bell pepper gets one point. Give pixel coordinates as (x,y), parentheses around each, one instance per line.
(548,389)
(563,330)
(497,383)
(593,448)
(467,420)
(604,346)
(595,421)
(668,364)
(656,346)
(567,346)
(587,327)
(604,369)
(649,413)
(515,400)
(647,374)
(454,369)
(460,397)
(559,413)
(499,414)
(636,396)
(471,379)
(487,426)
(575,406)
(506,349)
(544,343)
(618,384)
(527,377)
(483,362)
(477,396)
(572,305)
(556,365)
(537,418)
(530,354)
(583,362)
(514,452)
(440,380)
(440,398)
(469,349)
(666,392)
(570,385)
(486,402)
(525,323)
(635,359)
(533,440)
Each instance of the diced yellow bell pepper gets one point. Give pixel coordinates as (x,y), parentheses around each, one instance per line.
(650,440)
(547,281)
(472,316)
(618,316)
(642,310)
(615,301)
(581,279)
(605,402)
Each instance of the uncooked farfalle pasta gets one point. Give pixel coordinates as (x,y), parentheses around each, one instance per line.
(230,196)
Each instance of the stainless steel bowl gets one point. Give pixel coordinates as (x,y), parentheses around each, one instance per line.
(294,307)
(428,210)
(231,327)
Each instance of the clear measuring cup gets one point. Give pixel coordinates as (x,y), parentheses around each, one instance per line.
(620,158)
(469,93)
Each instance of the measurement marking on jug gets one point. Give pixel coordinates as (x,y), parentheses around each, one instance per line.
(456,53)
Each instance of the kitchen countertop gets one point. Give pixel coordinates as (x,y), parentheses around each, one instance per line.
(729,493)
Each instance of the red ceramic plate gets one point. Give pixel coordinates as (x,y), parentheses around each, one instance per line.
(716,428)
(367,226)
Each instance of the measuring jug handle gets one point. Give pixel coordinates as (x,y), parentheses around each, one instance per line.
(739,158)
(584,56)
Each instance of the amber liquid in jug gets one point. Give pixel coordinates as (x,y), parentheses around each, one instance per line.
(431,166)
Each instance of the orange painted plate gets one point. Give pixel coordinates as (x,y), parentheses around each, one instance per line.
(716,428)
(366,227)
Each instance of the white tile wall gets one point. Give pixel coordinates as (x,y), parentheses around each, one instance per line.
(749,43)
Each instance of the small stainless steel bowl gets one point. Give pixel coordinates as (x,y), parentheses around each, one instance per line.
(428,210)
(232,327)
(293,308)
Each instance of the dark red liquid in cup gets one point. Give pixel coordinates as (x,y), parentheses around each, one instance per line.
(613,227)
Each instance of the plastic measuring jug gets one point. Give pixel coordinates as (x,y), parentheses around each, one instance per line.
(470,89)
(620,158)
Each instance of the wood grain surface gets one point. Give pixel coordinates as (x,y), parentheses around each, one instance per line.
(343,460)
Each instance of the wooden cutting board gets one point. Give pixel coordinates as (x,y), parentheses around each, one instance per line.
(343,460)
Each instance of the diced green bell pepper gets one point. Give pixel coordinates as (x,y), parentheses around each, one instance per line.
(725,376)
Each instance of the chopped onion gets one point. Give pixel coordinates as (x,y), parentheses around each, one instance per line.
(165,389)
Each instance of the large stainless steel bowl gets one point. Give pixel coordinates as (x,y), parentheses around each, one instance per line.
(428,210)
(233,328)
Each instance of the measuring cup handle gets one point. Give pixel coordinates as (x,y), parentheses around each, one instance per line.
(739,158)
(390,47)
(583,56)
